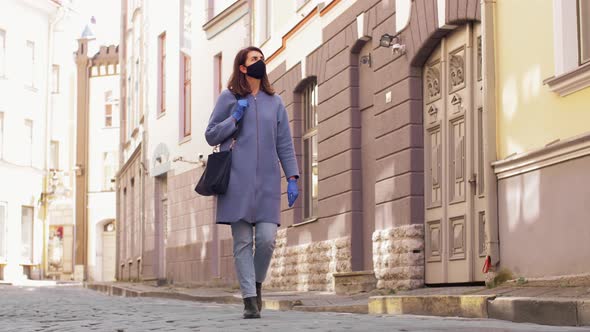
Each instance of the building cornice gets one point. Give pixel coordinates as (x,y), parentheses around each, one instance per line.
(553,153)
(321,11)
(226,18)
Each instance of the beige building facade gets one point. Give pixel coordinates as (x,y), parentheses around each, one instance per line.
(97,144)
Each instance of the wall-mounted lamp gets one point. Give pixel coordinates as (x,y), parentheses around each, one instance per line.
(394,42)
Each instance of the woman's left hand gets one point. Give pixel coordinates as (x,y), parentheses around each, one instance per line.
(292,191)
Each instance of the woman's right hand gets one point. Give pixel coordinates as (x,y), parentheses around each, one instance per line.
(239,112)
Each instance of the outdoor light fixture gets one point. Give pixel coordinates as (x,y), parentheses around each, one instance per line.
(388,40)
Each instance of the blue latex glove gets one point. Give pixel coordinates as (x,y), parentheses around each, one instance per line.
(239,112)
(292,191)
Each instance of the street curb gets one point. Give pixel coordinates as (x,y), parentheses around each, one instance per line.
(544,311)
(349,309)
(470,306)
(126,292)
(268,304)
(280,305)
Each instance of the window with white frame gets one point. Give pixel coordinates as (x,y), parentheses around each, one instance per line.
(571,51)
(2,53)
(108,109)
(54,155)
(28,143)
(55,79)
(186,96)
(109,170)
(27,234)
(217,79)
(30,67)
(584,30)
(162,73)
(2,232)
(310,150)
(187,19)
(1,135)
(263,21)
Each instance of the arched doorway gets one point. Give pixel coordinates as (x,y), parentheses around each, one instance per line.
(454,195)
(108,251)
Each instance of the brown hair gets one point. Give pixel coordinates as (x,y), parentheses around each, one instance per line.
(237,82)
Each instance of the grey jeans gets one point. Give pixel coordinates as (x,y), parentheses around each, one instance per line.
(252,265)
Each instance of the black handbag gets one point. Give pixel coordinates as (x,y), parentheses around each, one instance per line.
(215,177)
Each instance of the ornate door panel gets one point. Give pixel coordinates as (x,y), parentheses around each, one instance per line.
(452,145)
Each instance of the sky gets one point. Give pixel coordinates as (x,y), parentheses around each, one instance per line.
(107,14)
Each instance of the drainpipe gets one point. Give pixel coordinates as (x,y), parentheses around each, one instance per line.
(488,8)
(60,15)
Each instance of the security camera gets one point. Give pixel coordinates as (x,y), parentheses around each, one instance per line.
(398,49)
(366,60)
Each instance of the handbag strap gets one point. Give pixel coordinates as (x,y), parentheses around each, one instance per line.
(238,125)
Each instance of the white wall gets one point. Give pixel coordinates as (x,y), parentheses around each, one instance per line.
(22,184)
(285,17)
(101,139)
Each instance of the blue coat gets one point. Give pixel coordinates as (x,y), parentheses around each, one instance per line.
(254,192)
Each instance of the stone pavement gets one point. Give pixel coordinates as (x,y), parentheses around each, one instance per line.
(73,308)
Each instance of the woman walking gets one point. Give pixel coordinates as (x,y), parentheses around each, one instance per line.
(252,202)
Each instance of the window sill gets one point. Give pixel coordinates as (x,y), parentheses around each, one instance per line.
(142,119)
(134,132)
(305,222)
(161,115)
(570,82)
(184,140)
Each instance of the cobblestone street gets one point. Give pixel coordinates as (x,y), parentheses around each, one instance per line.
(78,309)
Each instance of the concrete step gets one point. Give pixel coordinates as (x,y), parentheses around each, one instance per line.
(537,310)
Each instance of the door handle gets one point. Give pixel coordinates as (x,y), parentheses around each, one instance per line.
(473,181)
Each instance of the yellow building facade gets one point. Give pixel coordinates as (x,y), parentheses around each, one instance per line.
(543,136)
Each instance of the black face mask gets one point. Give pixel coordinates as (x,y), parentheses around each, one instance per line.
(256,70)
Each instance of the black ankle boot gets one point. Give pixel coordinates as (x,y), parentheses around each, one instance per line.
(250,308)
(259,295)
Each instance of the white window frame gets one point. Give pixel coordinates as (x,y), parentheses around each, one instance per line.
(54,155)
(2,126)
(31,80)
(583,20)
(109,169)
(569,75)
(162,73)
(29,136)
(218,75)
(263,14)
(3,53)
(29,259)
(186,17)
(55,71)
(3,233)
(310,132)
